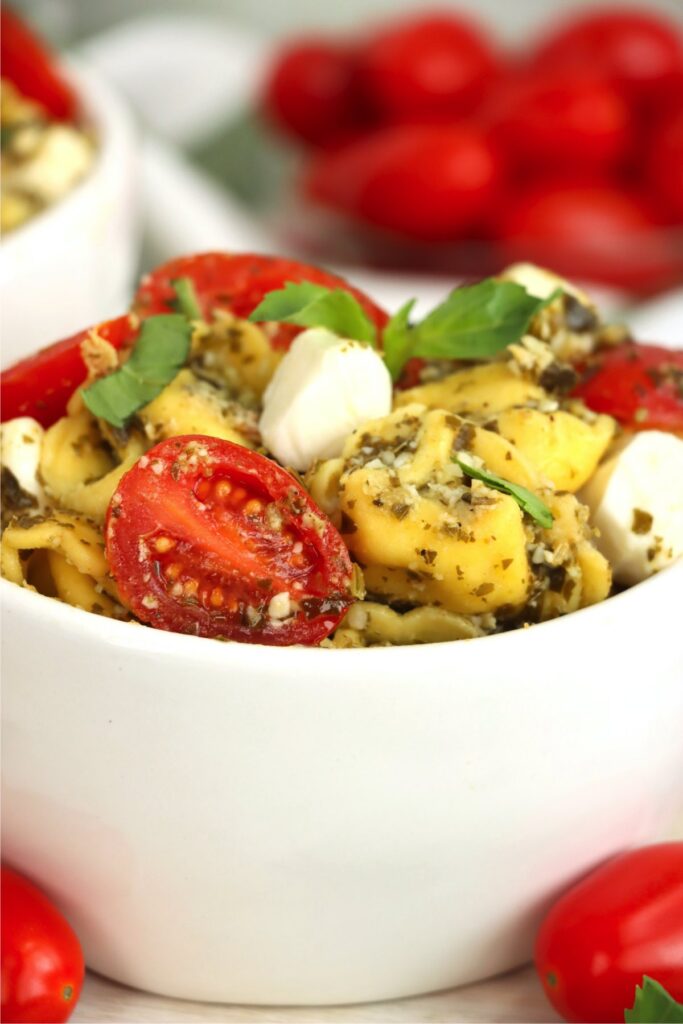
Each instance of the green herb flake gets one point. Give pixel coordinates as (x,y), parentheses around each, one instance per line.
(312,305)
(527,501)
(161,350)
(186,301)
(653,1005)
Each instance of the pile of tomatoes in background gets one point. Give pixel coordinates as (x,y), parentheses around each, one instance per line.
(425,137)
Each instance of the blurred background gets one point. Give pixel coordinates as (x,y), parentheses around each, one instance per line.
(402,138)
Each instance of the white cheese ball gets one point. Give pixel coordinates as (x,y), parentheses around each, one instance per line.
(636,498)
(323,389)
(20,444)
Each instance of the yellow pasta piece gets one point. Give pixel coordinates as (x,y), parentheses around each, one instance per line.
(76,468)
(193,406)
(73,452)
(322,483)
(369,623)
(78,541)
(563,448)
(236,353)
(478,391)
(588,576)
(421,534)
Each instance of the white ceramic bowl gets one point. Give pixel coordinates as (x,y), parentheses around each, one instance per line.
(259,825)
(73,264)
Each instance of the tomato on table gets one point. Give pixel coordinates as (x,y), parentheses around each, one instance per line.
(28,65)
(639,50)
(41,385)
(562,120)
(589,230)
(641,386)
(427,182)
(209,538)
(664,164)
(238,283)
(622,921)
(427,64)
(310,92)
(42,961)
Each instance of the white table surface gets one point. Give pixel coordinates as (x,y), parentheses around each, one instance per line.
(515,997)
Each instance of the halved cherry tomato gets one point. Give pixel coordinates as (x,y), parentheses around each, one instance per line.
(28,65)
(42,961)
(41,385)
(427,182)
(439,63)
(638,49)
(590,231)
(574,120)
(238,283)
(640,385)
(209,538)
(310,92)
(623,921)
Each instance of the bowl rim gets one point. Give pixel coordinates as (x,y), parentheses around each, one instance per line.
(138,638)
(113,127)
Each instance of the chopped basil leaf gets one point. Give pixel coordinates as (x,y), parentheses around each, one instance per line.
(397,339)
(186,301)
(653,1003)
(527,501)
(161,350)
(313,305)
(475,322)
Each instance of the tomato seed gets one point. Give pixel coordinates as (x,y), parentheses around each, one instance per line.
(216,599)
(223,489)
(202,489)
(173,571)
(253,507)
(190,588)
(164,544)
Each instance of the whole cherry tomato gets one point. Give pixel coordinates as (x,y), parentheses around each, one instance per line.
(209,538)
(238,283)
(664,166)
(41,385)
(427,182)
(623,921)
(28,65)
(592,231)
(427,64)
(575,120)
(42,961)
(640,50)
(641,386)
(310,92)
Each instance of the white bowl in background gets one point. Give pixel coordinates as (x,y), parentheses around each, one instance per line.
(73,264)
(259,825)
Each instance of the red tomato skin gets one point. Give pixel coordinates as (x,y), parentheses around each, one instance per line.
(221,546)
(425,182)
(593,231)
(622,921)
(633,377)
(41,385)
(425,64)
(639,50)
(28,65)
(664,167)
(577,121)
(238,283)
(42,961)
(310,92)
